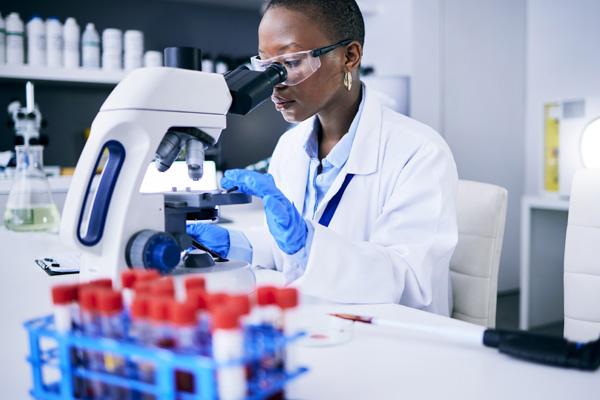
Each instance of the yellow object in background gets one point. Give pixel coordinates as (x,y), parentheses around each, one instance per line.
(551,111)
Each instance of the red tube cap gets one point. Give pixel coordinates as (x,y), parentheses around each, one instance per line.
(163,287)
(216,300)
(266,295)
(195,283)
(128,278)
(240,303)
(182,313)
(102,283)
(287,298)
(64,294)
(88,297)
(109,302)
(146,274)
(225,318)
(198,298)
(159,309)
(140,307)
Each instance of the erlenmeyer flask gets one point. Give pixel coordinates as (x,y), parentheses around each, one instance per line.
(30,206)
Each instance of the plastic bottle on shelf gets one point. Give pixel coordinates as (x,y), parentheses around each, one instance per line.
(71,34)
(112,49)
(228,345)
(2,41)
(153,58)
(133,49)
(54,42)
(36,41)
(90,47)
(15,46)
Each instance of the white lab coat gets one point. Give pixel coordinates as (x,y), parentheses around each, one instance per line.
(394,231)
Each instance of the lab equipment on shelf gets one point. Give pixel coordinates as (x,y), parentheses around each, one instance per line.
(54,43)
(158,348)
(15,46)
(36,41)
(71,34)
(30,206)
(90,47)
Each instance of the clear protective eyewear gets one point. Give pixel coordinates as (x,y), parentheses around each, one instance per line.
(299,65)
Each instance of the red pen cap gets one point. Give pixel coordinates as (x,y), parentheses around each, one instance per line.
(195,283)
(198,298)
(109,302)
(128,278)
(266,295)
(182,313)
(88,299)
(159,309)
(225,318)
(64,294)
(140,307)
(102,283)
(240,303)
(287,298)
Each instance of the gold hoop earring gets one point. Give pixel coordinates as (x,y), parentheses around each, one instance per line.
(348,80)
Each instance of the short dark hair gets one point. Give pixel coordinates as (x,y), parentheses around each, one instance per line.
(339,19)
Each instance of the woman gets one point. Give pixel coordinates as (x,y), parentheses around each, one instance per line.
(360,200)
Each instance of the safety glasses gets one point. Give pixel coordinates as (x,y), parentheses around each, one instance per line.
(299,65)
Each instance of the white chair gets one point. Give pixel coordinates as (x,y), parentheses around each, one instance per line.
(582,258)
(481,214)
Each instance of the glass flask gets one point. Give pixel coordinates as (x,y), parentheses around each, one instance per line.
(30,206)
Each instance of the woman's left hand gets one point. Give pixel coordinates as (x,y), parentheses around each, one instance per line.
(285,223)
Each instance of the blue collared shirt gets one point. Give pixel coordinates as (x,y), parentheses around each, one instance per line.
(317,186)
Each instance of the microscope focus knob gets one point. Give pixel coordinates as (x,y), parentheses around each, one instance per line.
(153,250)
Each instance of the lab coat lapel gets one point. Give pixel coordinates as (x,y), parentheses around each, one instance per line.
(364,152)
(298,163)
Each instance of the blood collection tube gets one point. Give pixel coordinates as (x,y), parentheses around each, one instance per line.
(228,345)
(184,320)
(92,360)
(112,325)
(128,278)
(267,312)
(140,334)
(63,297)
(198,298)
(161,332)
(287,300)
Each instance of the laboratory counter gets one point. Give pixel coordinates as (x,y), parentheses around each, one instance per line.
(368,362)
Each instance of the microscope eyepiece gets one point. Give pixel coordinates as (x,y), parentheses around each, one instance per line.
(278,73)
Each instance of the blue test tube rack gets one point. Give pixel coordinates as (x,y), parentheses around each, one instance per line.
(57,351)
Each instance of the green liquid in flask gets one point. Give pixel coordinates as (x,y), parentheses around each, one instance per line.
(41,217)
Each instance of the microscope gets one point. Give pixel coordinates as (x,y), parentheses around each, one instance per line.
(154,114)
(27,120)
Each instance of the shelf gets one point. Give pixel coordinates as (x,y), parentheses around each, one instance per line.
(80,75)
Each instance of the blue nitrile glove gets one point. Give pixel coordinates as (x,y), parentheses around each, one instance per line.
(213,236)
(285,223)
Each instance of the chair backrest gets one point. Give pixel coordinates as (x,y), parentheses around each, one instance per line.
(481,214)
(582,258)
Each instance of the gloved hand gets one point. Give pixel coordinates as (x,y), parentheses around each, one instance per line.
(213,236)
(285,223)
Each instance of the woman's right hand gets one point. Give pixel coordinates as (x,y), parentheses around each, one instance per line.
(215,237)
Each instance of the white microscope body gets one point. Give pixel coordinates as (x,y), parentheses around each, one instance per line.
(102,221)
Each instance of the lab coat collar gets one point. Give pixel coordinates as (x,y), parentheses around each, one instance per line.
(365,149)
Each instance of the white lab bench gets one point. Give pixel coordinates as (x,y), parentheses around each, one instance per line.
(377,363)
(543,233)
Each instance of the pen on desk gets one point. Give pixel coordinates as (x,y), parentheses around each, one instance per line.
(541,349)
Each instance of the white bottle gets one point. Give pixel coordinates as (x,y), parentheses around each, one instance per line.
(54,43)
(153,58)
(90,47)
(112,49)
(133,49)
(36,41)
(15,47)
(2,41)
(71,36)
